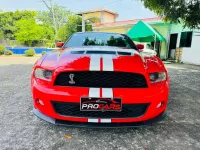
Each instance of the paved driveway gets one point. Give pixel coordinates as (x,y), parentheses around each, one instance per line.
(20,129)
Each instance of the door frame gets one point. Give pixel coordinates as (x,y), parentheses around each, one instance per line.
(169,49)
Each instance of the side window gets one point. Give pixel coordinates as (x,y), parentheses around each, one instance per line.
(186,39)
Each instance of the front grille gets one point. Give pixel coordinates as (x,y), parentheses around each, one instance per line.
(101,79)
(73,110)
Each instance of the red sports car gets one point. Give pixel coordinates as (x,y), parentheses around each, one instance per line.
(99,80)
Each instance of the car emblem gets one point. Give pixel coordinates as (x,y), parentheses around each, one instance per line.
(71,77)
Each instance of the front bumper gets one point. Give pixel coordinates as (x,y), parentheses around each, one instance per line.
(154,96)
(99,125)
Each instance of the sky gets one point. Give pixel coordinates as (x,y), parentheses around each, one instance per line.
(127,9)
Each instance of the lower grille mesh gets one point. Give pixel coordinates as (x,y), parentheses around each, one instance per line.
(73,110)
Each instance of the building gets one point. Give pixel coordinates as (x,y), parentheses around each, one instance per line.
(181,43)
(97,16)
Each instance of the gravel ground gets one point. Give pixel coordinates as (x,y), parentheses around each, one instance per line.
(20,129)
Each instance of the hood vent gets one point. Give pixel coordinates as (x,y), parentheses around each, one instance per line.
(124,53)
(101,52)
(120,53)
(77,52)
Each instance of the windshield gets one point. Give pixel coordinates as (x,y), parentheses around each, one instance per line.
(100,39)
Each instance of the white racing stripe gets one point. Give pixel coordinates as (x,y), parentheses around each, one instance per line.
(105,120)
(108,63)
(99,120)
(107,66)
(94,92)
(93,120)
(95,62)
(107,92)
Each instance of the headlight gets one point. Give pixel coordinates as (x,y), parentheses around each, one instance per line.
(157,77)
(43,74)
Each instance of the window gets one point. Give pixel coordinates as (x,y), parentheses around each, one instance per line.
(186,39)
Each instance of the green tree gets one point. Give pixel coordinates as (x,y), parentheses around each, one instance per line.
(48,32)
(56,15)
(1,35)
(73,25)
(9,19)
(177,11)
(88,26)
(30,33)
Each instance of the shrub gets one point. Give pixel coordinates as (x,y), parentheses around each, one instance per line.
(49,44)
(8,52)
(2,49)
(30,52)
(44,52)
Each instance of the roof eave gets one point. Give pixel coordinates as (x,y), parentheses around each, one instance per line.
(87,12)
(111,26)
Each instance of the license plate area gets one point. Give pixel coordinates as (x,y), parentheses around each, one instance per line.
(101,104)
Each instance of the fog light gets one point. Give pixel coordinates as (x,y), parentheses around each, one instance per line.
(160,104)
(40,102)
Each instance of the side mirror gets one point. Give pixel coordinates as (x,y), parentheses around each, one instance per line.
(60,44)
(140,47)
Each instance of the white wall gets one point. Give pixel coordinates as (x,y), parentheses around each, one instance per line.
(192,55)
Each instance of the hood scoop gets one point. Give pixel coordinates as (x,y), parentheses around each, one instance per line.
(77,52)
(119,53)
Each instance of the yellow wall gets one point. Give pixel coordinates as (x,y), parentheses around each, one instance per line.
(95,14)
(92,16)
(120,29)
(108,17)
(113,30)
(105,16)
(163,30)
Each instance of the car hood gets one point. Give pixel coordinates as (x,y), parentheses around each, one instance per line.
(97,62)
(101,62)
